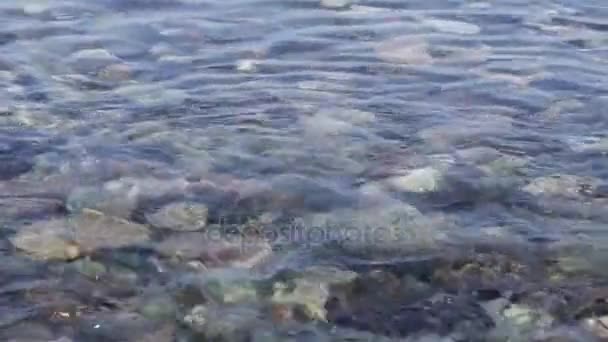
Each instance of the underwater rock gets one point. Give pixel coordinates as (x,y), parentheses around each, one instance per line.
(118,202)
(335,4)
(418,180)
(68,238)
(158,307)
(180,216)
(562,185)
(15,208)
(91,60)
(225,324)
(216,250)
(452,26)
(406,50)
(441,314)
(308,296)
(391,229)
(117,72)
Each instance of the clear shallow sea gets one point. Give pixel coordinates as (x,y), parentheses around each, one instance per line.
(453,129)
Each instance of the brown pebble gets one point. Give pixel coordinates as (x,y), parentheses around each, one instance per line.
(72,251)
(115,72)
(281,313)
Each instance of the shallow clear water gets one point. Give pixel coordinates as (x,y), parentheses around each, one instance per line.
(299,109)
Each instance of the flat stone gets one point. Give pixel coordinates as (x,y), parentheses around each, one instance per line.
(452,26)
(119,202)
(421,180)
(562,185)
(117,72)
(597,326)
(405,50)
(151,94)
(67,238)
(15,208)
(309,295)
(93,54)
(247,65)
(214,250)
(462,130)
(180,216)
(600,146)
(391,228)
(222,324)
(91,60)
(335,4)
(230,286)
(478,155)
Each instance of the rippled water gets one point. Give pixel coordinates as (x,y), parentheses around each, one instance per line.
(301,110)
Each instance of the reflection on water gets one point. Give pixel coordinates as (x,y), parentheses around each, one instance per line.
(278,164)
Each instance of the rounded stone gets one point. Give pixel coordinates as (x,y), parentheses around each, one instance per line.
(453,26)
(117,72)
(418,181)
(69,238)
(405,50)
(215,251)
(180,216)
(335,4)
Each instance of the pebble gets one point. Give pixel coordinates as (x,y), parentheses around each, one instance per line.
(523,322)
(91,60)
(180,216)
(93,54)
(23,208)
(117,201)
(68,238)
(393,228)
(117,72)
(247,65)
(404,50)
(478,155)
(452,26)
(562,185)
(151,94)
(158,307)
(596,325)
(36,7)
(215,251)
(309,296)
(335,4)
(228,286)
(458,131)
(89,268)
(222,324)
(418,181)
(599,146)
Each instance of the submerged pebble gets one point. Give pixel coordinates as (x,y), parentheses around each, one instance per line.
(418,180)
(67,238)
(215,250)
(222,324)
(119,202)
(404,50)
(17,208)
(115,73)
(452,26)
(335,3)
(180,216)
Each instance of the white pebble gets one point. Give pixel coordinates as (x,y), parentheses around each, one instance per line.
(246,65)
(404,50)
(452,26)
(335,3)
